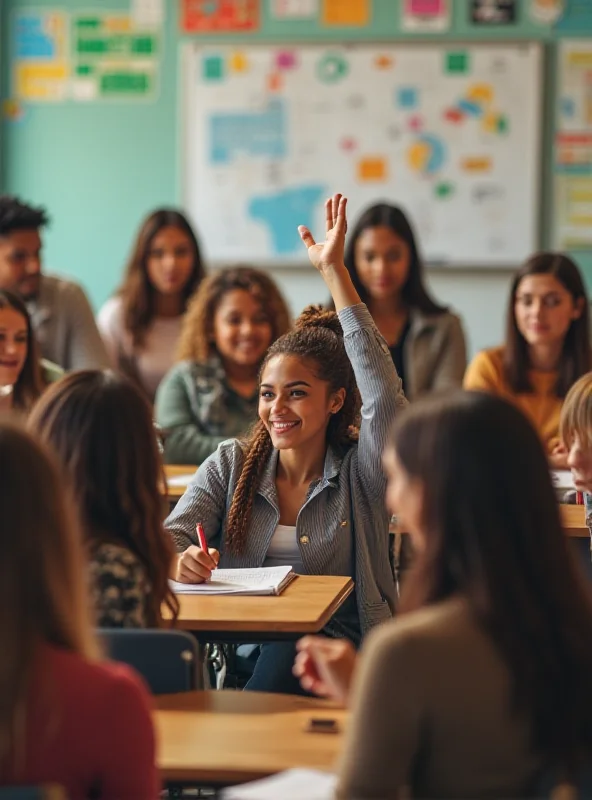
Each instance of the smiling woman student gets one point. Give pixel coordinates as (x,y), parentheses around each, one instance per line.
(21,376)
(306,488)
(546,349)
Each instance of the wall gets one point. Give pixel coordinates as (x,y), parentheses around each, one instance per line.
(100,167)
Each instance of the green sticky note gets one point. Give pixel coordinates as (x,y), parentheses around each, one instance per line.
(444,190)
(124,83)
(457,61)
(143,44)
(84,69)
(88,22)
(502,124)
(92,46)
(213,68)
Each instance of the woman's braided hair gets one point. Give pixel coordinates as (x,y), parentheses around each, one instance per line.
(317,338)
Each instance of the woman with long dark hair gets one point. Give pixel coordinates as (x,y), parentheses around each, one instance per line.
(141,324)
(485,675)
(547,345)
(425,339)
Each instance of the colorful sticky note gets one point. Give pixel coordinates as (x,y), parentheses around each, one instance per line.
(480,93)
(443,190)
(454,115)
(457,61)
(348,144)
(416,123)
(476,164)
(372,168)
(239,62)
(294,9)
(568,106)
(383,62)
(346,12)
(213,16)
(286,59)
(213,68)
(407,97)
(470,108)
(502,124)
(275,82)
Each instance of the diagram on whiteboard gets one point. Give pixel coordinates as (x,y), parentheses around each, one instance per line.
(450,133)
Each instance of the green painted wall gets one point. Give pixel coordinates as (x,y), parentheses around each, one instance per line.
(100,167)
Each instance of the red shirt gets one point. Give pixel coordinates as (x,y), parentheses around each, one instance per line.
(88,729)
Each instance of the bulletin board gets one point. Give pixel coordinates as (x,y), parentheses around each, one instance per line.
(451,132)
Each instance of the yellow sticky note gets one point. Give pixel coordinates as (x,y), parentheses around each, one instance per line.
(118,24)
(477,164)
(346,12)
(480,93)
(239,62)
(490,122)
(372,168)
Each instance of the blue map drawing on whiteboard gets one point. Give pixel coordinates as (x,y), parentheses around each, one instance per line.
(261,133)
(31,38)
(284,211)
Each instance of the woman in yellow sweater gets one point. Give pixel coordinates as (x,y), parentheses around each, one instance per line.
(546,349)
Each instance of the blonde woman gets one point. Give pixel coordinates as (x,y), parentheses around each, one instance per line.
(212,393)
(65,717)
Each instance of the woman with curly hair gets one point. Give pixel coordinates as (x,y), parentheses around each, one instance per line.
(307,487)
(141,324)
(212,393)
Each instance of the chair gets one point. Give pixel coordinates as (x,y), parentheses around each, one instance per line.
(47,792)
(167,660)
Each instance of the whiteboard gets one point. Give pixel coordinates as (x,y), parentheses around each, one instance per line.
(450,132)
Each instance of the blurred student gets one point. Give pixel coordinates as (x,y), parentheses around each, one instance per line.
(306,487)
(141,324)
(425,339)
(575,429)
(212,393)
(547,346)
(100,426)
(485,676)
(62,318)
(65,717)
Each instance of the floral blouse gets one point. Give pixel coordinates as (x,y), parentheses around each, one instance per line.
(119,587)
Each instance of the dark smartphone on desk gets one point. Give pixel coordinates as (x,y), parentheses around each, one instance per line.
(322,725)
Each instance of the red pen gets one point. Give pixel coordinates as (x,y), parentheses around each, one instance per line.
(201,537)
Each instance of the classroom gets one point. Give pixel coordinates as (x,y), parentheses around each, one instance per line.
(295,399)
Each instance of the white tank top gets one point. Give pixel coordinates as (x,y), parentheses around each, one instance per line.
(283,549)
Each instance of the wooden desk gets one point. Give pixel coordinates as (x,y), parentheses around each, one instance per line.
(225,737)
(305,606)
(177,471)
(573,519)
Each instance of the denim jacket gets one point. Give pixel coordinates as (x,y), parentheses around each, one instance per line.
(342,528)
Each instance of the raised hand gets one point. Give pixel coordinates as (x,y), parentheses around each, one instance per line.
(328,254)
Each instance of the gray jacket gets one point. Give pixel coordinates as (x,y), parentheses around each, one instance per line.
(435,354)
(65,326)
(342,528)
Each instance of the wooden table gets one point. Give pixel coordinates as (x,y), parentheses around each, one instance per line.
(305,606)
(573,519)
(178,471)
(223,738)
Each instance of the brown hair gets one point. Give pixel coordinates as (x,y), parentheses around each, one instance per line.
(318,340)
(100,426)
(575,356)
(30,382)
(196,340)
(576,413)
(493,534)
(137,293)
(43,594)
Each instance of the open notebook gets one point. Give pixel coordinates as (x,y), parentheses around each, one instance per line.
(264,580)
(295,784)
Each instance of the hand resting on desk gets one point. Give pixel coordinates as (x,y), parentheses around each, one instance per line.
(326,666)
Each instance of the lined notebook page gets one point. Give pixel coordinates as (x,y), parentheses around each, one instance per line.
(295,784)
(261,581)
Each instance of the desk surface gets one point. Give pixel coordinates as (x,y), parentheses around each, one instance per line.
(573,519)
(305,606)
(229,737)
(178,471)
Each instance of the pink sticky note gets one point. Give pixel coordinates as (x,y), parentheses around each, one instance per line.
(285,59)
(425,8)
(416,123)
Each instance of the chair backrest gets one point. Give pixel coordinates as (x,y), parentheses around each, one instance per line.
(167,660)
(46,792)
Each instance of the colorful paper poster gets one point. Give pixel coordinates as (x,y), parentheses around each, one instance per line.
(425,16)
(574,213)
(216,16)
(40,56)
(346,12)
(295,9)
(493,12)
(113,57)
(546,11)
(576,19)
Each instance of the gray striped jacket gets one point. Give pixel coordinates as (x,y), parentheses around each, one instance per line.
(342,528)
